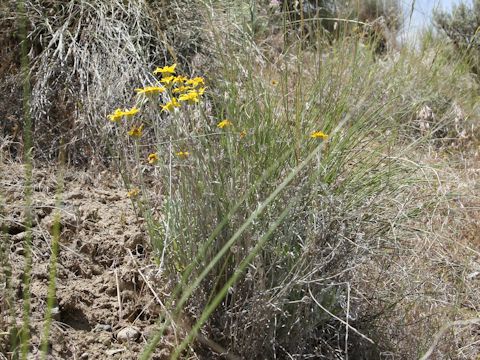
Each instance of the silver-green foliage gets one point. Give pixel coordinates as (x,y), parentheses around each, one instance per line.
(462,27)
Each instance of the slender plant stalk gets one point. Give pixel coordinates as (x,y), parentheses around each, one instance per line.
(56,232)
(28,160)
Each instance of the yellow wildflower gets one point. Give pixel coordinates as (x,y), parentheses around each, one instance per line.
(166,70)
(319,134)
(119,113)
(201,91)
(191,97)
(274,82)
(135,131)
(131,112)
(153,158)
(133,193)
(181,89)
(182,154)
(180,79)
(242,134)
(150,90)
(116,115)
(224,123)
(168,80)
(195,81)
(172,104)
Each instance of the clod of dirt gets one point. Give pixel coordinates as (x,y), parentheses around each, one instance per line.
(112,352)
(68,220)
(129,333)
(19,237)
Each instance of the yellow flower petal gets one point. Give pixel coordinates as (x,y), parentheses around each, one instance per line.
(116,115)
(191,97)
(181,89)
(180,79)
(319,135)
(131,112)
(119,113)
(150,90)
(224,123)
(135,131)
(168,80)
(152,158)
(166,70)
(195,81)
(172,104)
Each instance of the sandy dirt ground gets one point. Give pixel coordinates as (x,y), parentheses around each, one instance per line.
(109,295)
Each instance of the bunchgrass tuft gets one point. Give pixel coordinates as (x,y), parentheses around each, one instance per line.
(247,191)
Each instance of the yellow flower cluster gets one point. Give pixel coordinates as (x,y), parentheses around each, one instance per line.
(178,90)
(188,90)
(118,114)
(133,193)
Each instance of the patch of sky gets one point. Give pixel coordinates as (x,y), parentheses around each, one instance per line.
(418,15)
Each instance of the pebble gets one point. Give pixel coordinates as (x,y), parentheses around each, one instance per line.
(128,334)
(112,352)
(102,327)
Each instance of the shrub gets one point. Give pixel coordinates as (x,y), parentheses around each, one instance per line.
(378,21)
(462,27)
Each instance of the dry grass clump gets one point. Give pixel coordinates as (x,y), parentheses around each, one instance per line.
(85,57)
(10,91)
(429,279)
(331,255)
(402,283)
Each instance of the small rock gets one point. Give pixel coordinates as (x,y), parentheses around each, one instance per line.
(473,275)
(84,356)
(102,327)
(113,351)
(56,313)
(19,237)
(128,334)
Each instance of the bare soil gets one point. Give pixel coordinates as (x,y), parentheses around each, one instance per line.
(107,283)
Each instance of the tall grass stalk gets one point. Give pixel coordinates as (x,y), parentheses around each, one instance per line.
(54,248)
(28,161)
(8,303)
